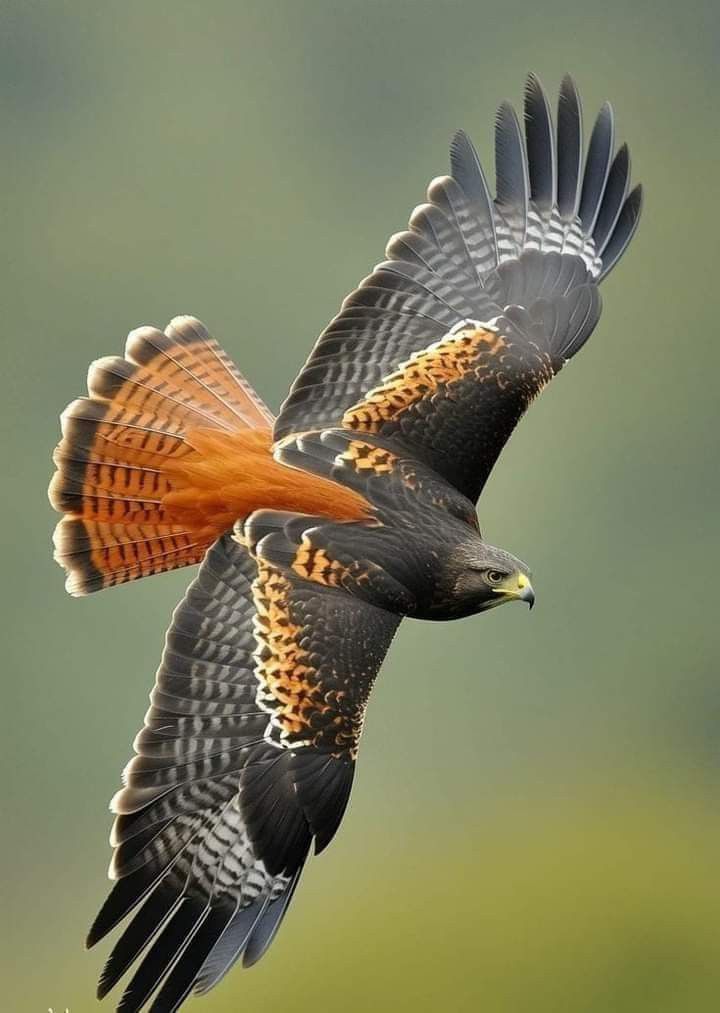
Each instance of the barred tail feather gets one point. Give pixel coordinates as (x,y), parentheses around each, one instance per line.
(119,444)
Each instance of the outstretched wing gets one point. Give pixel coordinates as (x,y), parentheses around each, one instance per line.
(481,301)
(246,757)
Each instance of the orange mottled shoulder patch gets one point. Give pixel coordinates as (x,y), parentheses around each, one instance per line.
(308,701)
(287,684)
(445,362)
(364,458)
(313,563)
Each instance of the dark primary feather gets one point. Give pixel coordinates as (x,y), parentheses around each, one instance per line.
(181,979)
(512,182)
(597,167)
(136,937)
(627,223)
(540,140)
(616,190)
(511,171)
(569,148)
(164,951)
(466,168)
(232,944)
(265,928)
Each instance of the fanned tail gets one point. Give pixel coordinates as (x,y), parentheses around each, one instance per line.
(168,450)
(122,446)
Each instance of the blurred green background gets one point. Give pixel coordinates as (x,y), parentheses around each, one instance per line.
(536,821)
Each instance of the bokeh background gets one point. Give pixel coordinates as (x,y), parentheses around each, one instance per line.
(536,821)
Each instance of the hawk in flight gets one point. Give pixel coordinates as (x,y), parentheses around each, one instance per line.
(318,530)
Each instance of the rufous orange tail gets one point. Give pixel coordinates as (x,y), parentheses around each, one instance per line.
(170,447)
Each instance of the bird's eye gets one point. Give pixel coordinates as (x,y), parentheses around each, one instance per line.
(494,576)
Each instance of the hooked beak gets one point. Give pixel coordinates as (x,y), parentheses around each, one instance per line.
(519,588)
(525,589)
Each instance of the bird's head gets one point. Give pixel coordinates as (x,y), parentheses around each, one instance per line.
(480,576)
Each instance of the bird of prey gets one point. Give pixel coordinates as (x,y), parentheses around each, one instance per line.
(319,530)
